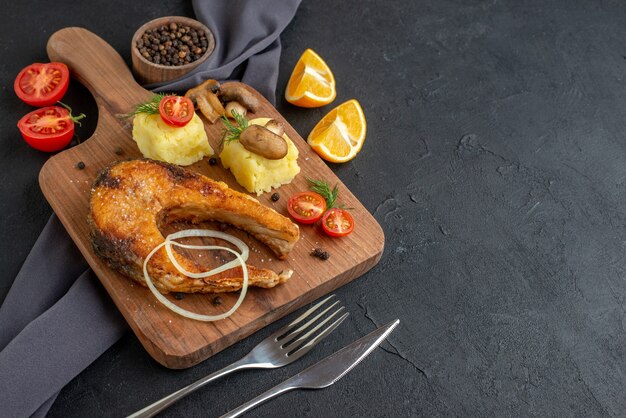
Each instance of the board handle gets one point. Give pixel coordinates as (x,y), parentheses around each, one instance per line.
(94,63)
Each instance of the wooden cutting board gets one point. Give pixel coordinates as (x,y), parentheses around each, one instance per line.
(172,340)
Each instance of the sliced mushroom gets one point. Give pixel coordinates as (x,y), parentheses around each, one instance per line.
(207,101)
(275,126)
(262,141)
(215,103)
(239,94)
(235,107)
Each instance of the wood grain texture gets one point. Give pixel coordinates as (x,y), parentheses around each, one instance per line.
(174,341)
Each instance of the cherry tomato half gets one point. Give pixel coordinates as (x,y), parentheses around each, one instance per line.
(306,207)
(49,128)
(176,110)
(42,84)
(337,222)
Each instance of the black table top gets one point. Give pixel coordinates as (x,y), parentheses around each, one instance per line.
(495,161)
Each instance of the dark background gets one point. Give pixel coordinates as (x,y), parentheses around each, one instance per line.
(495,162)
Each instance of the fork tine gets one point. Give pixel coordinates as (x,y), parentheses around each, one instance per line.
(308,346)
(310,332)
(293,334)
(301,318)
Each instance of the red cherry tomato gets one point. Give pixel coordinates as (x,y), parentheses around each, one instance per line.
(337,222)
(176,110)
(306,207)
(49,128)
(42,84)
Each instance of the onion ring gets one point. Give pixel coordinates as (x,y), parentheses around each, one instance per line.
(189,233)
(204,233)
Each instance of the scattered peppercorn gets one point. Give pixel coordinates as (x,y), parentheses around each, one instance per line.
(217,300)
(119,151)
(179,296)
(172,45)
(212,161)
(275,197)
(80,165)
(321,254)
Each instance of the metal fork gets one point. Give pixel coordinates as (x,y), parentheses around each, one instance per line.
(283,347)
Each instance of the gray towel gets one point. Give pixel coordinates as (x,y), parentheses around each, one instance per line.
(247,44)
(57,319)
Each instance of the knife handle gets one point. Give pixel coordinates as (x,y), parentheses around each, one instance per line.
(277,390)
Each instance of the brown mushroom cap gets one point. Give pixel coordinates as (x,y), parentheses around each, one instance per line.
(260,140)
(239,93)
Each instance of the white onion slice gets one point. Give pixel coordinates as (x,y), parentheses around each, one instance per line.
(204,233)
(183,312)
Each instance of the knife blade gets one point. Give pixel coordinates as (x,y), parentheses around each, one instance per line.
(325,372)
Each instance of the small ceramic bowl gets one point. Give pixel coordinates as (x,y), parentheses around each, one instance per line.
(147,72)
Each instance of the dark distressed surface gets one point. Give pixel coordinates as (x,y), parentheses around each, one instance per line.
(495,161)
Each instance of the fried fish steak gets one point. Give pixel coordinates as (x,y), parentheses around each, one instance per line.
(132,200)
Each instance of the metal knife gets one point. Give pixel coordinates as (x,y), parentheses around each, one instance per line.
(325,372)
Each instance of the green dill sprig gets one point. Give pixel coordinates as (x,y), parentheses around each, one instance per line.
(150,107)
(232,132)
(322,187)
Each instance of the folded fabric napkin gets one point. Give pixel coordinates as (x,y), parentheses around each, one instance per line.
(57,318)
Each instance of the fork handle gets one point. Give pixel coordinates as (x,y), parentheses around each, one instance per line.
(277,390)
(162,404)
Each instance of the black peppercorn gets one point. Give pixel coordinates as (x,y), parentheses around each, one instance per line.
(321,254)
(217,301)
(212,161)
(275,197)
(179,296)
(119,151)
(173,44)
(80,165)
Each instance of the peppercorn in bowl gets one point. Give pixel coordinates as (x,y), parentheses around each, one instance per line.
(169,47)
